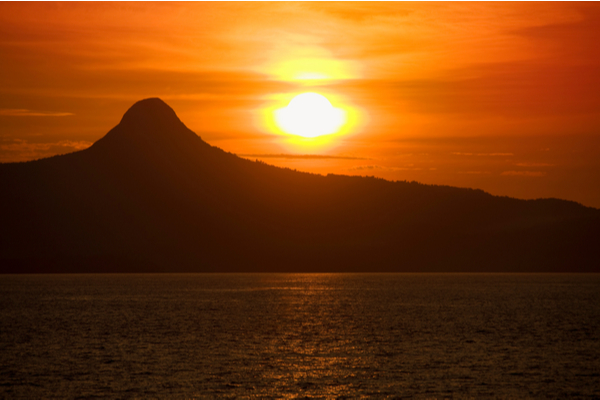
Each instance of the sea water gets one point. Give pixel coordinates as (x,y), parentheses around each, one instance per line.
(300,336)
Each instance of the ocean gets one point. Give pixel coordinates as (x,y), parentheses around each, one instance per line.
(309,336)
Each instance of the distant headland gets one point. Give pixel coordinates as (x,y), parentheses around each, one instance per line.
(152,196)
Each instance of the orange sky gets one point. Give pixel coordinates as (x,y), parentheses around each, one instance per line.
(499,96)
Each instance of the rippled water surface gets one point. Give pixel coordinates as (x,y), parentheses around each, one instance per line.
(300,336)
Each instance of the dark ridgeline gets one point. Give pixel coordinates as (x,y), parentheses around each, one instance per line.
(152,196)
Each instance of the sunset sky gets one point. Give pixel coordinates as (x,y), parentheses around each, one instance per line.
(504,97)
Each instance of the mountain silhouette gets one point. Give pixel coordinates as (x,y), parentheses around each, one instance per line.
(152,196)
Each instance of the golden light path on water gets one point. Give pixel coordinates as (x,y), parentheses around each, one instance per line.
(290,336)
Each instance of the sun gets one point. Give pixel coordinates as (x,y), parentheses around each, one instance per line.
(310,115)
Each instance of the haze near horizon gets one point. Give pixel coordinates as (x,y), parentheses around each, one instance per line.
(496,96)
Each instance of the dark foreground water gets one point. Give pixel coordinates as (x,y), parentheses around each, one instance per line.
(300,336)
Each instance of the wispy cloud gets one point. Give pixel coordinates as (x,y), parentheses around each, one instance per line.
(484,154)
(18,112)
(302,156)
(365,167)
(524,173)
(21,150)
(382,168)
(533,164)
(474,172)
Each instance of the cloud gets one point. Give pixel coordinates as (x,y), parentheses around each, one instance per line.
(569,40)
(484,154)
(528,164)
(382,168)
(17,112)
(524,173)
(21,150)
(515,89)
(474,172)
(365,167)
(302,156)
(209,88)
(358,12)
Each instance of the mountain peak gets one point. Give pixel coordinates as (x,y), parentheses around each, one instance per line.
(148,121)
(151,114)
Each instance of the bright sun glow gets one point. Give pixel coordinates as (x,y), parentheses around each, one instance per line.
(308,69)
(310,115)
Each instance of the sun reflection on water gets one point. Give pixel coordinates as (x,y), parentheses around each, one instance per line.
(252,336)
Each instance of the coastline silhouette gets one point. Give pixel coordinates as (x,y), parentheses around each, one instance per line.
(152,196)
